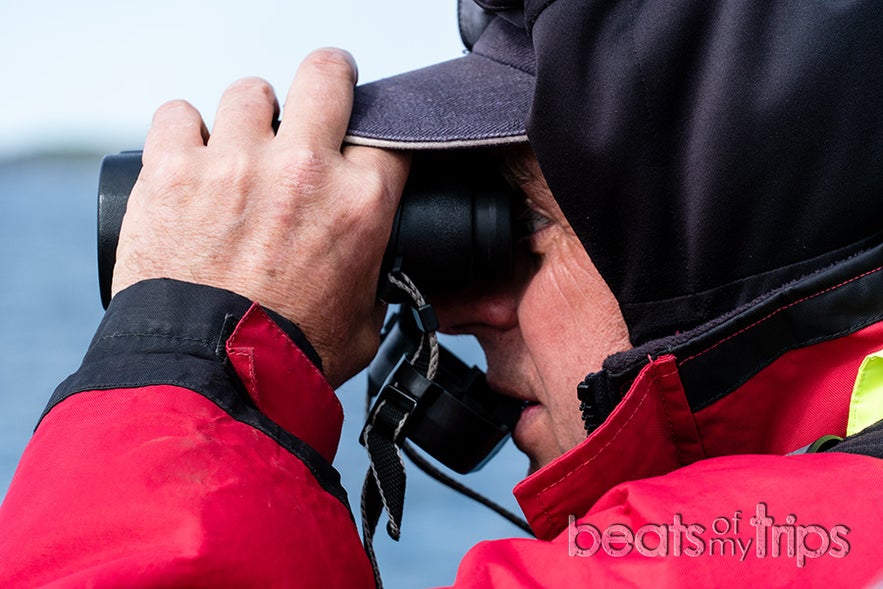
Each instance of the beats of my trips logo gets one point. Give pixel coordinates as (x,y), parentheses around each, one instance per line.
(760,536)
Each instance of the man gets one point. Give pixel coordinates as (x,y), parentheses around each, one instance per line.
(712,203)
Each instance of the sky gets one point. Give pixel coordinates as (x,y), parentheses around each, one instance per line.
(91,73)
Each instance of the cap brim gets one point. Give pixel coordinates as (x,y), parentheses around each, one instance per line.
(473,101)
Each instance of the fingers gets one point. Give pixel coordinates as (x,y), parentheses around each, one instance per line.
(175,124)
(319,104)
(320,100)
(245,113)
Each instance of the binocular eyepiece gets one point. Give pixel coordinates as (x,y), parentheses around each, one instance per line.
(454,225)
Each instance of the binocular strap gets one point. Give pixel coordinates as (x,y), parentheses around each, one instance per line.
(384,487)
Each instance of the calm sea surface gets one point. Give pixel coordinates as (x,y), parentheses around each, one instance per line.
(49,308)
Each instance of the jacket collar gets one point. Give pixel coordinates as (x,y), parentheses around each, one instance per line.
(770,378)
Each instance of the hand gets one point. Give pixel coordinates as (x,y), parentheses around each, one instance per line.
(292,220)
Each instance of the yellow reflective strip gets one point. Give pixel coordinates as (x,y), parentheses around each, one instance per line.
(866,404)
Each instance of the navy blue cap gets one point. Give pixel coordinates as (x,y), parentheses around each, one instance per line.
(480,99)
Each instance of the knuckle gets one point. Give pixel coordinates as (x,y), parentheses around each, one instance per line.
(234,174)
(304,170)
(175,165)
(374,196)
(174,175)
(374,185)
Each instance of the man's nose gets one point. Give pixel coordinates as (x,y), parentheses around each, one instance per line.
(471,310)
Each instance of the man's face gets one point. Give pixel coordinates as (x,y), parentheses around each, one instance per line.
(548,328)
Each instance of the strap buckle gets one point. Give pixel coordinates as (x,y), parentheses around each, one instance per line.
(399,402)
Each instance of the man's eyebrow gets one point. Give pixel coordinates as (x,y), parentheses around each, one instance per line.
(520,169)
(515,170)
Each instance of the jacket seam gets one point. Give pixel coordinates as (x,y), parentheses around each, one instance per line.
(752,371)
(776,312)
(280,333)
(154,335)
(247,354)
(671,427)
(572,471)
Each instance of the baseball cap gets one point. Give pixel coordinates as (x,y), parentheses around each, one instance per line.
(480,99)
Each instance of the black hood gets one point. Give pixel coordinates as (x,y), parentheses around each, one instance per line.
(708,152)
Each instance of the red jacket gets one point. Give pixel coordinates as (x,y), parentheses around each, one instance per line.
(192,449)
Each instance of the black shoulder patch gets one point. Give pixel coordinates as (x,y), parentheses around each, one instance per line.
(174,333)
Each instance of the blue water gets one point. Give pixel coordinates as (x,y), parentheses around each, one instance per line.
(49,308)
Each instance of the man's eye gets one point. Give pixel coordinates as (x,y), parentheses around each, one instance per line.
(532,221)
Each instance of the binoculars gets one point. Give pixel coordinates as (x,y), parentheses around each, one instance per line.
(454,225)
